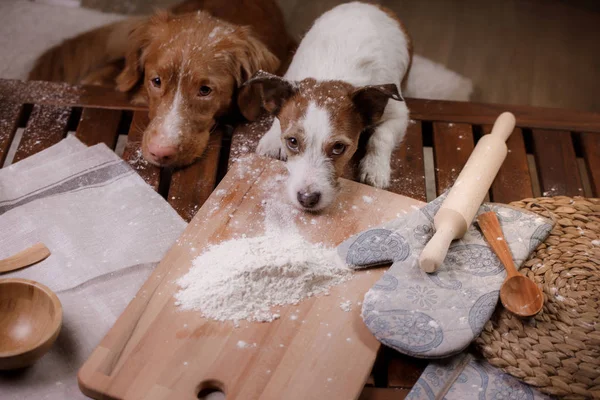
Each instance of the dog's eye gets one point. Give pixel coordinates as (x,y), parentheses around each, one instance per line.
(156,82)
(338,148)
(205,90)
(292,143)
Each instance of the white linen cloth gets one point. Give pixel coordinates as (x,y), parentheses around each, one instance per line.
(106,229)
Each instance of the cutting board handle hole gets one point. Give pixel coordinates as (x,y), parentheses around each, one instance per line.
(211,390)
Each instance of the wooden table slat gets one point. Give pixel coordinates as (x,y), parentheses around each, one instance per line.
(426,110)
(190,187)
(47,126)
(452,146)
(62,94)
(246,136)
(591,154)
(513,181)
(99,125)
(482,114)
(556,163)
(408,168)
(371,393)
(133,150)
(10,113)
(404,371)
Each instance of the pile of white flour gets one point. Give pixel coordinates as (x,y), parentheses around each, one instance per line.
(242,279)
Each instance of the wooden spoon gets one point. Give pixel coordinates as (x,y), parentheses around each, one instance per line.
(518,294)
(25,258)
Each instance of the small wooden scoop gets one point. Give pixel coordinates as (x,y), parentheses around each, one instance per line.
(518,294)
(25,258)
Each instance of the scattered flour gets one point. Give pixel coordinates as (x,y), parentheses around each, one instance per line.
(241,279)
(367,199)
(596,242)
(243,345)
(557,295)
(346,305)
(214,32)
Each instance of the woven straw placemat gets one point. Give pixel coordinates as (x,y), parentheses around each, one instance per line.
(557,351)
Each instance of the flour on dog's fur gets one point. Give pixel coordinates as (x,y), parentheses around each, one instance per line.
(241,279)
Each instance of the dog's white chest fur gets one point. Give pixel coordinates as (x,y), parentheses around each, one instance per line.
(355,42)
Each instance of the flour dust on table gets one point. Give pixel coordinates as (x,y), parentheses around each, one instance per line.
(245,277)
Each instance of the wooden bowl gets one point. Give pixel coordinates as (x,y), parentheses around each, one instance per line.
(30,320)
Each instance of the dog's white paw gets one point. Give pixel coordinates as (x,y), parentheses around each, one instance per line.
(375,171)
(270,146)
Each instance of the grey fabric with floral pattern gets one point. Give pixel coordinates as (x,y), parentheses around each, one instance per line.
(464,377)
(436,315)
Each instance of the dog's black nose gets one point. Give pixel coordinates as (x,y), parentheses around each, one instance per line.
(308,200)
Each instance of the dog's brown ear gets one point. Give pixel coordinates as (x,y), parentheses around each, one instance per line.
(139,39)
(370,101)
(251,54)
(248,56)
(264,91)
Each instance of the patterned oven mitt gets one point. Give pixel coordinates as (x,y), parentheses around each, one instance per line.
(437,315)
(464,377)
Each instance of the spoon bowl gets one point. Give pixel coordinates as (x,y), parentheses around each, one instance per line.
(30,320)
(521,296)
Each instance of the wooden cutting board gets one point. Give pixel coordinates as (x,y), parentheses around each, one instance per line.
(156,351)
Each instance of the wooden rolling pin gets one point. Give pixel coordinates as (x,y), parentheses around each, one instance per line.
(458,210)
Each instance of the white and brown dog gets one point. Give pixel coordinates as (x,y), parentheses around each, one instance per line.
(340,82)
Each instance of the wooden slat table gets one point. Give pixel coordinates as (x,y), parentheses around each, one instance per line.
(553,152)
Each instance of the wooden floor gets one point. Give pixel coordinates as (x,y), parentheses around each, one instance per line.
(535,52)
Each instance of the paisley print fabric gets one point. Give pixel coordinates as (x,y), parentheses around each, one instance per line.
(375,245)
(465,377)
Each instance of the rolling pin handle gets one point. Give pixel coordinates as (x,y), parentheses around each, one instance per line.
(504,126)
(435,251)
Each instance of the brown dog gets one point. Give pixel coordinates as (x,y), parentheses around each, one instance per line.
(187,65)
